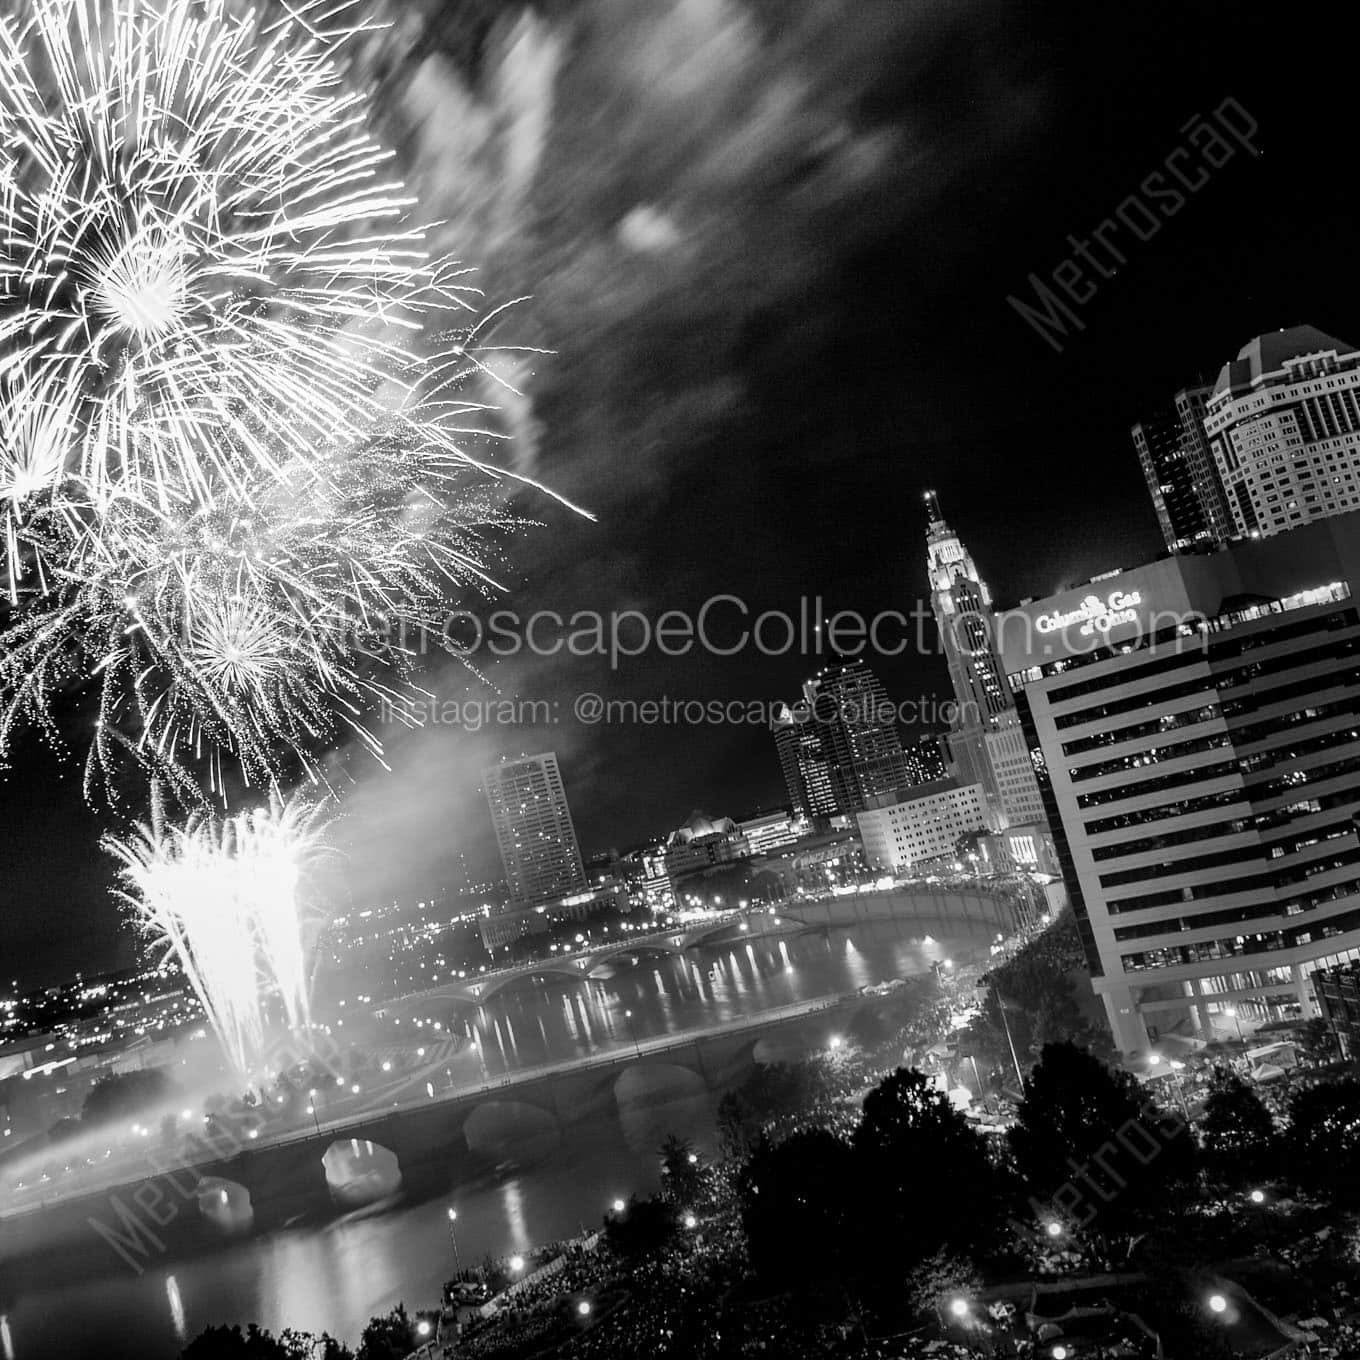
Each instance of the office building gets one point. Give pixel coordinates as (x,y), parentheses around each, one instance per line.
(1338,997)
(839,748)
(702,842)
(1283,424)
(985,742)
(925,760)
(804,763)
(1198,723)
(534,831)
(771,831)
(922,831)
(1182,478)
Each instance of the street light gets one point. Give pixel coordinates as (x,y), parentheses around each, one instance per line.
(453,1239)
(1232,1011)
(628,1015)
(690,1222)
(517,1263)
(618,1206)
(959,1308)
(1217,1303)
(1054,1229)
(1258,1196)
(583,1308)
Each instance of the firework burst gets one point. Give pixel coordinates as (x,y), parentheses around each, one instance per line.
(233,476)
(228,901)
(194,220)
(219,633)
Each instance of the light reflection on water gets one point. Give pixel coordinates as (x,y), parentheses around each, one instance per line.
(529,1183)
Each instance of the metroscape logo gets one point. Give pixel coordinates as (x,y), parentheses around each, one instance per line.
(1094,614)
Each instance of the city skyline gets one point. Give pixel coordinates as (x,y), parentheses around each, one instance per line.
(1036,514)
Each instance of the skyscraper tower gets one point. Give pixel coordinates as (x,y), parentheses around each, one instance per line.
(839,747)
(986,745)
(963,611)
(534,831)
(1182,479)
(804,763)
(858,724)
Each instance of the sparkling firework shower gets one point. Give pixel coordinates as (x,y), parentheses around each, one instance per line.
(233,476)
(193,220)
(227,900)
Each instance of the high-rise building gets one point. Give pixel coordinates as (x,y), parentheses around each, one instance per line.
(963,612)
(985,743)
(839,748)
(925,760)
(1283,424)
(804,763)
(1198,721)
(534,831)
(1181,477)
(858,723)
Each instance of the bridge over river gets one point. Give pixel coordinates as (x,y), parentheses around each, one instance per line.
(233,1180)
(408,1126)
(898,903)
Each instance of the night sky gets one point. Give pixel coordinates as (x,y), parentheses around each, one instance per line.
(769,244)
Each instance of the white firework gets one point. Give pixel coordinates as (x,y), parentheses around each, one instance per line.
(228,901)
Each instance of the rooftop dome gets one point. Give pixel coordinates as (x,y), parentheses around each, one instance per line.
(700,824)
(1269,353)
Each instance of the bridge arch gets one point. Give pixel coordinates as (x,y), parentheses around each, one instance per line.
(656,1081)
(225,1205)
(498,1127)
(360,1171)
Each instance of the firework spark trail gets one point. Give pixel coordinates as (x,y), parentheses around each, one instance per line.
(193,219)
(254,635)
(227,900)
(235,480)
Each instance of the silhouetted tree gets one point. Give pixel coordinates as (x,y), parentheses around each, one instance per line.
(926,1180)
(1323,1139)
(796,1200)
(389,1337)
(643,1228)
(684,1179)
(231,1343)
(1092,1144)
(1238,1133)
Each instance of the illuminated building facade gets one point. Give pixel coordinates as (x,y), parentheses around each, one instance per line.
(1198,720)
(804,763)
(534,830)
(919,830)
(985,741)
(839,747)
(1182,478)
(1283,425)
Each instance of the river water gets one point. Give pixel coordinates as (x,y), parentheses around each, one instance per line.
(522,1183)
